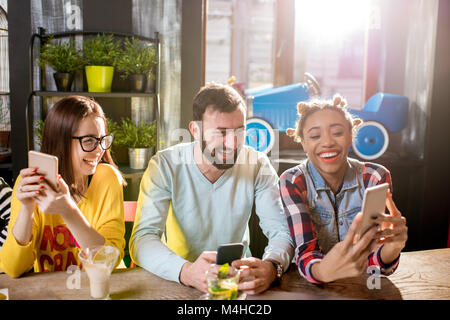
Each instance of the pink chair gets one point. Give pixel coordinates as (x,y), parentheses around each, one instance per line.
(129,210)
(129,216)
(448,241)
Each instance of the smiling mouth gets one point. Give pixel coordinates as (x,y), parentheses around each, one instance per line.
(90,162)
(227,153)
(329,156)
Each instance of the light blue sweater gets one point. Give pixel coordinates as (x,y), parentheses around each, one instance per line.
(209,214)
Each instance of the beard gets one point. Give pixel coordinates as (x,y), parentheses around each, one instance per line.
(219,163)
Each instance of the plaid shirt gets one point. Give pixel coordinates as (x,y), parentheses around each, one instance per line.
(293,190)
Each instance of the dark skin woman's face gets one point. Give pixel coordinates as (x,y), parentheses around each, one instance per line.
(326,140)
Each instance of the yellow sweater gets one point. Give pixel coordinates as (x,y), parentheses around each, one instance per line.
(53,247)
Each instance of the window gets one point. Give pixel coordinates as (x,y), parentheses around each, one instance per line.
(239,38)
(329,41)
(5,120)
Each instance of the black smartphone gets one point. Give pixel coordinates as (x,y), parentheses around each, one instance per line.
(227,253)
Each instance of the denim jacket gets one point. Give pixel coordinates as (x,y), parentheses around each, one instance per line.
(332,215)
(318,219)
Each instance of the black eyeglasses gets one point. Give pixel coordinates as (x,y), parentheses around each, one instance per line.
(90,143)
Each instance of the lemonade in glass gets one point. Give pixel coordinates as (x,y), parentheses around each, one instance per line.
(222,282)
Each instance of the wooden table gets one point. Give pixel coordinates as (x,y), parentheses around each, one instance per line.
(420,275)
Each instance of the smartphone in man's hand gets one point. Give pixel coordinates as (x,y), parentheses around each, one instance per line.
(227,253)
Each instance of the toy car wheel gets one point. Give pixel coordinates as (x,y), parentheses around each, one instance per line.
(371,140)
(259,135)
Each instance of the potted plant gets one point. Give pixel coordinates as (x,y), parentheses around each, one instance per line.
(38,131)
(100,55)
(137,62)
(140,139)
(65,59)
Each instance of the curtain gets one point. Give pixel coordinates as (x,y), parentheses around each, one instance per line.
(163,16)
(419,68)
(54,16)
(5,118)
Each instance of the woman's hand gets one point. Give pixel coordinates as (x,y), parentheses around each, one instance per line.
(28,187)
(60,202)
(53,201)
(394,231)
(347,258)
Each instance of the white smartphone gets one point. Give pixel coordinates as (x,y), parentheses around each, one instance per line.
(374,204)
(47,166)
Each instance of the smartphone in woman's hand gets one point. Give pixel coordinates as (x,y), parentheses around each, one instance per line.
(46,164)
(374,204)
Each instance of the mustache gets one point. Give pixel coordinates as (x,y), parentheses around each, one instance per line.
(224,150)
(220,162)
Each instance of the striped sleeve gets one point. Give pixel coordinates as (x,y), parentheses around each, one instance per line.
(385,269)
(293,193)
(375,174)
(5,209)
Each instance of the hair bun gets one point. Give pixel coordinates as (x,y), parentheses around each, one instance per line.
(339,101)
(290,132)
(302,107)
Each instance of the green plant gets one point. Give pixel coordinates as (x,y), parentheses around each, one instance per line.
(39,131)
(62,57)
(137,58)
(103,50)
(131,135)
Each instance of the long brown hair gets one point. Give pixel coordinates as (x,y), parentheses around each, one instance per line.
(61,123)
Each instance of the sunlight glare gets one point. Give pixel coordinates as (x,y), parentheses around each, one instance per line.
(332,20)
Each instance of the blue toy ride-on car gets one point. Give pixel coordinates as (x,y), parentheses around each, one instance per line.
(275,109)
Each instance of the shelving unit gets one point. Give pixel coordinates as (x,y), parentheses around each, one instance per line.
(5,155)
(42,37)
(94,94)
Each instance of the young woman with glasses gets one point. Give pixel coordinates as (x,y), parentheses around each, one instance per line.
(48,226)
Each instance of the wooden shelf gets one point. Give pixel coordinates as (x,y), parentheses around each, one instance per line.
(94,94)
(131,173)
(389,158)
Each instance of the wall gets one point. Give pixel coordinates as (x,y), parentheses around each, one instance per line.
(436,218)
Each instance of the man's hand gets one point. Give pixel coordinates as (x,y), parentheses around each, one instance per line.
(193,274)
(262,272)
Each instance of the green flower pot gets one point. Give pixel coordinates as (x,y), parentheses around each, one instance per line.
(99,78)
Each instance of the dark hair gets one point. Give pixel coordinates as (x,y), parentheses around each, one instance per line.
(305,109)
(217,96)
(61,123)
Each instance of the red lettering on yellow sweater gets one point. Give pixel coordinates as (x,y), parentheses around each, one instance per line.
(71,259)
(42,260)
(66,237)
(49,236)
(58,260)
(63,242)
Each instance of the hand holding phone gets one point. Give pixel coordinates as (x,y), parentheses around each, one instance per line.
(47,166)
(227,253)
(374,204)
